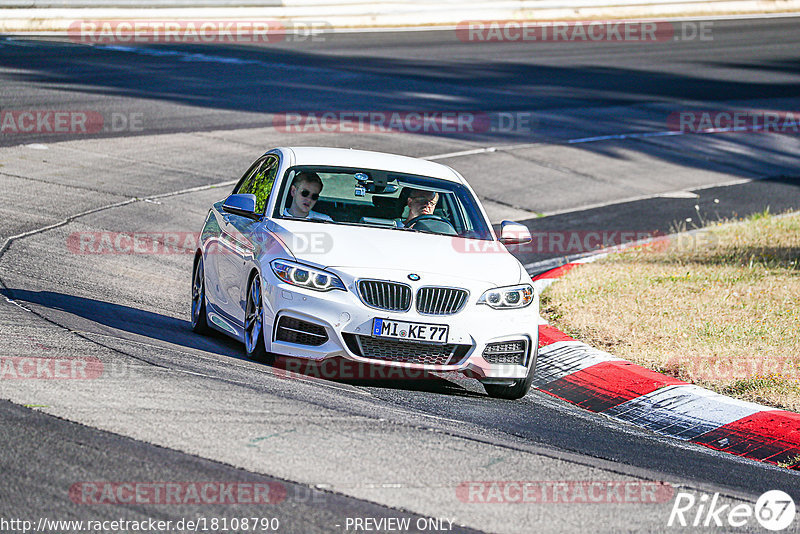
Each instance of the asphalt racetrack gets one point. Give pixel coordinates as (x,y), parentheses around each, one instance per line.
(582,133)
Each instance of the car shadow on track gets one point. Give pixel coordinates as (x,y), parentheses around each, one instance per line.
(85,314)
(373,376)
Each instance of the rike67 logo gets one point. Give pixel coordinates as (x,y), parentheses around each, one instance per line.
(774,510)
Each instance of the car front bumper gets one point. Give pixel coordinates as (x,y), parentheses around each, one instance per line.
(347,321)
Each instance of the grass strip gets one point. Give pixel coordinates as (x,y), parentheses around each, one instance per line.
(719,308)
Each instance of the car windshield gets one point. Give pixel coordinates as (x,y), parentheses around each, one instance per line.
(381,199)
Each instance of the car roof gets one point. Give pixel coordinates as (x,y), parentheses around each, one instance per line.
(347,157)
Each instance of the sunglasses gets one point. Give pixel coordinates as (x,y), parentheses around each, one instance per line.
(424,200)
(306,192)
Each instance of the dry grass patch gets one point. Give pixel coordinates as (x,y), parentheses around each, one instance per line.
(720,309)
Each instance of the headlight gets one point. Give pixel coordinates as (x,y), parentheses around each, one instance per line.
(307,277)
(508,297)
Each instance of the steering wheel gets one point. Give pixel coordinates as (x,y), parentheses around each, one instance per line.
(449,230)
(418,218)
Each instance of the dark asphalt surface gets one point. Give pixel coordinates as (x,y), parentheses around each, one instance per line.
(188,88)
(629,221)
(176,90)
(48,465)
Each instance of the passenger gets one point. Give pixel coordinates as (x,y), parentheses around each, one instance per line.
(305,190)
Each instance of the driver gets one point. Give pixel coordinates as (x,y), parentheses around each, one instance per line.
(421,203)
(305,191)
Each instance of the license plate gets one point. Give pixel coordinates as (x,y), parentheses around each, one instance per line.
(429,333)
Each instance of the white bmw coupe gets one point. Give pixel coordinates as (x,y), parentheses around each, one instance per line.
(376,258)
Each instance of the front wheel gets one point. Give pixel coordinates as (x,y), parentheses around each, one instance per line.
(515,391)
(199,317)
(254,322)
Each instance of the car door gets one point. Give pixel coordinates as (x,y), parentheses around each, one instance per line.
(242,238)
(218,250)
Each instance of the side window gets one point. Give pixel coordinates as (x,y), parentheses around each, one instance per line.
(260,181)
(238,188)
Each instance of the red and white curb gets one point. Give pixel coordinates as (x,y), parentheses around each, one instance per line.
(602,383)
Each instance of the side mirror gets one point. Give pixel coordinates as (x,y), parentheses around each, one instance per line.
(513,233)
(244,205)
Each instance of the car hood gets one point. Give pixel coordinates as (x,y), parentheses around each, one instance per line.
(341,246)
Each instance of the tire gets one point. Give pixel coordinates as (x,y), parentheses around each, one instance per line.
(199,317)
(518,389)
(254,321)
